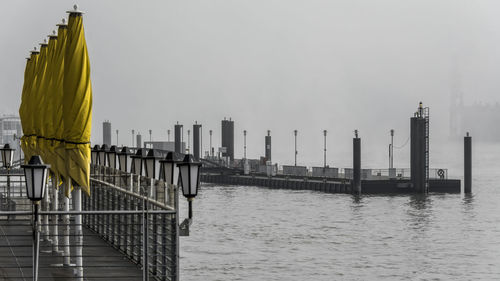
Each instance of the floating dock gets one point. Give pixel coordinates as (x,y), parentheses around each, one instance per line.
(330,185)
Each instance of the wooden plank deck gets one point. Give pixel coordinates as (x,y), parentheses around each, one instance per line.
(101,261)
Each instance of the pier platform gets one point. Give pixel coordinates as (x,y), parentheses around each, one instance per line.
(330,185)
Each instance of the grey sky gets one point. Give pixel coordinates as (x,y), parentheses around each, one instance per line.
(278,65)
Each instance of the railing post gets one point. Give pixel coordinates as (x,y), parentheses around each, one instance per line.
(164,245)
(145,238)
(176,228)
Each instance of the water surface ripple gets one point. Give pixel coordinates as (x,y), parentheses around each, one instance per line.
(252,233)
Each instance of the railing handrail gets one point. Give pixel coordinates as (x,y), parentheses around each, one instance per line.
(133,194)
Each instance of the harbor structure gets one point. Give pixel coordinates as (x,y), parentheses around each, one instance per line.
(227,139)
(138,140)
(178,138)
(267,143)
(419,149)
(106,133)
(419,178)
(197,141)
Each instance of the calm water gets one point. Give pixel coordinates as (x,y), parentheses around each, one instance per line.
(251,233)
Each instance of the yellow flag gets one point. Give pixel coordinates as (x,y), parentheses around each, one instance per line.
(77,103)
(28,129)
(58,146)
(46,106)
(22,107)
(36,96)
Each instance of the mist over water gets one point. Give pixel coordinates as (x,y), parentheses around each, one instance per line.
(277,65)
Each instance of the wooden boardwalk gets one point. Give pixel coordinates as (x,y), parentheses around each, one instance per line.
(100,260)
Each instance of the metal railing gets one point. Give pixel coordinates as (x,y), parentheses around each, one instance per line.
(130,230)
(147,238)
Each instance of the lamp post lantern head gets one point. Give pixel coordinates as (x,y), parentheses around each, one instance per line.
(94,155)
(35,173)
(111,156)
(150,165)
(136,167)
(124,159)
(170,171)
(7,155)
(102,154)
(189,176)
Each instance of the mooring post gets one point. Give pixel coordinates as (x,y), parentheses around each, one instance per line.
(467,163)
(356,164)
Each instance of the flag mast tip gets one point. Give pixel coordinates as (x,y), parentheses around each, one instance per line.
(75,10)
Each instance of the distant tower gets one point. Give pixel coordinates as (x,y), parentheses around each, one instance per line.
(456,103)
(178,138)
(419,149)
(228,138)
(197,141)
(268,146)
(138,140)
(106,133)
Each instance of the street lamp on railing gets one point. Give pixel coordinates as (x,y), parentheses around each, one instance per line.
(150,165)
(7,156)
(94,155)
(124,159)
(35,174)
(102,154)
(136,167)
(170,171)
(189,179)
(111,155)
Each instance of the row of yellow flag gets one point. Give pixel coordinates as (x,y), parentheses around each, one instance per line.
(56,103)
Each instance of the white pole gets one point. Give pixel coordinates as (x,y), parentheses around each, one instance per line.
(46,207)
(131,182)
(55,238)
(152,190)
(66,230)
(79,233)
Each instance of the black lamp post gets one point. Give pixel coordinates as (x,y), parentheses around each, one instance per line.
(94,155)
(136,167)
(111,159)
(124,159)
(150,165)
(190,179)
(169,169)
(7,158)
(102,154)
(35,174)
(111,156)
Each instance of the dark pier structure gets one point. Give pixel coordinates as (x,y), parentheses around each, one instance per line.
(228,138)
(197,141)
(419,149)
(355,180)
(268,146)
(178,138)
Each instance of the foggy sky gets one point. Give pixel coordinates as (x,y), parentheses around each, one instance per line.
(277,65)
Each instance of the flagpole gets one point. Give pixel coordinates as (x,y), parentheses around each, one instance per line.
(66,230)
(55,234)
(79,233)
